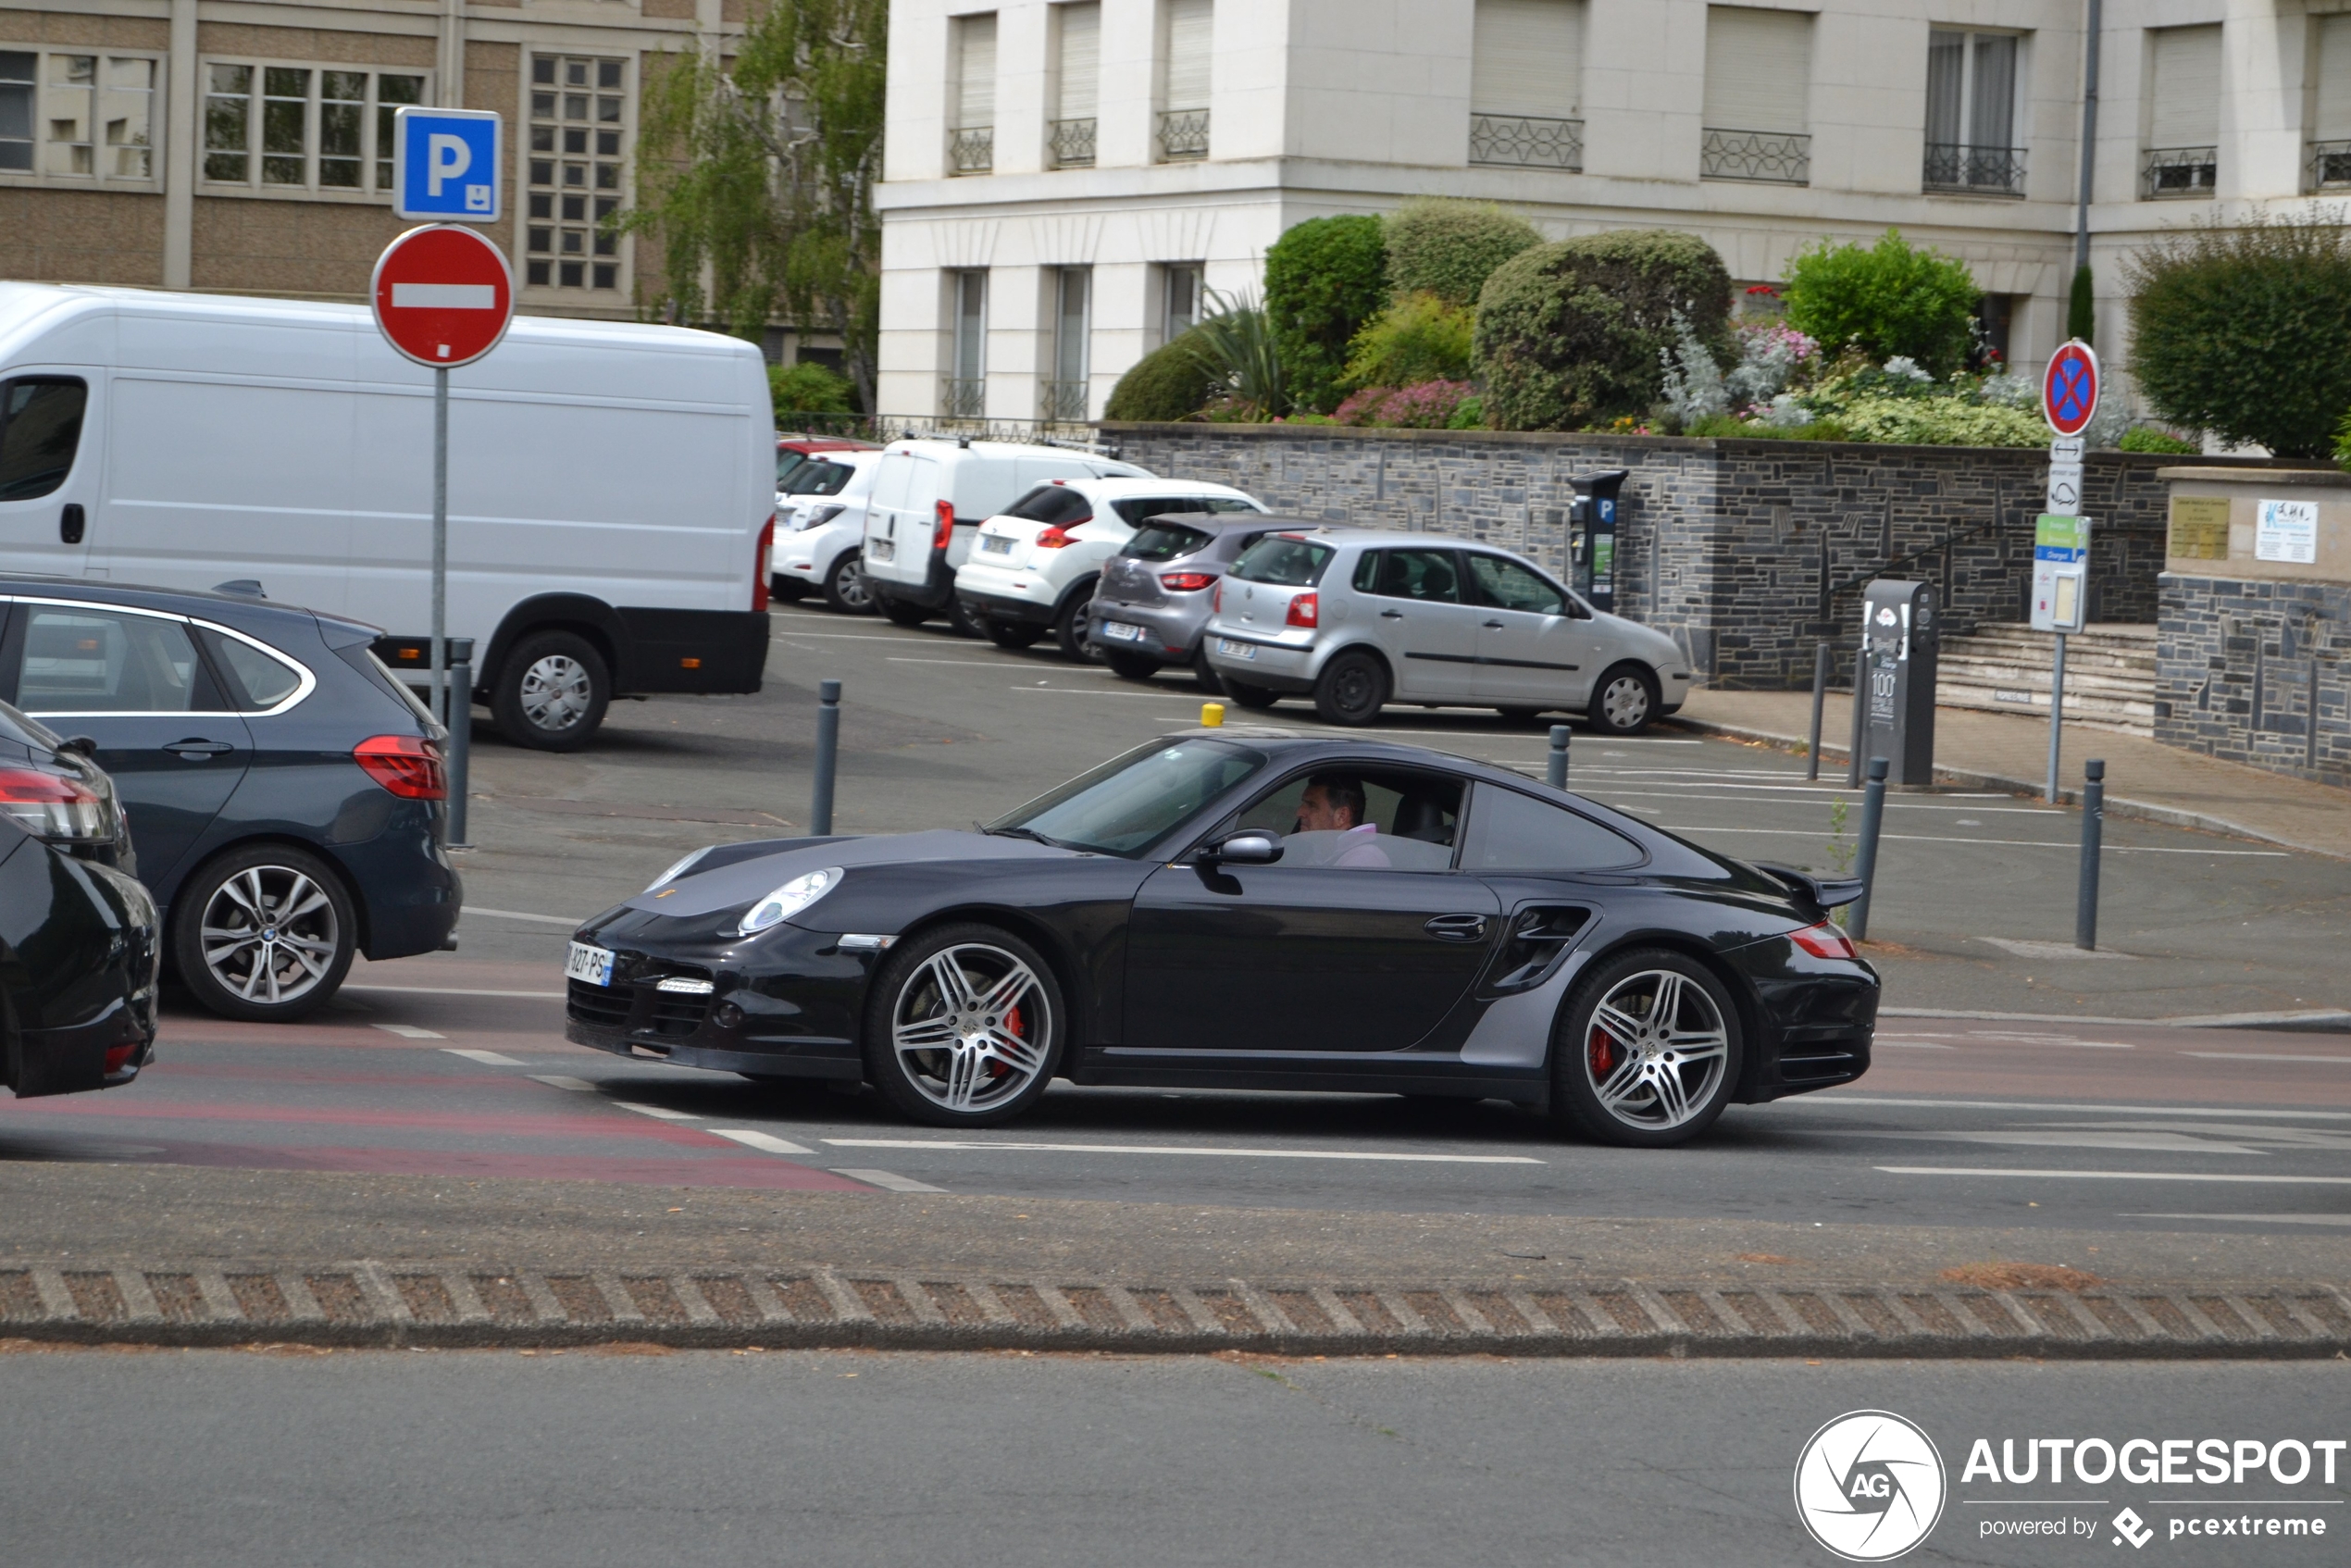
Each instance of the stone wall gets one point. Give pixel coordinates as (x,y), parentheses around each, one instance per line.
(1749,552)
(2235,662)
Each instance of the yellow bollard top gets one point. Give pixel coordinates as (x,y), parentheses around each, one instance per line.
(1212,716)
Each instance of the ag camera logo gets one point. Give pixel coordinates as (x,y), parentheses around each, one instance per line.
(1870,1485)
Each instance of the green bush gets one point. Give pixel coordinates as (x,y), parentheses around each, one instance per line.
(808,388)
(1444,246)
(1323,279)
(2147,438)
(1889,300)
(1419,338)
(1940,422)
(1170,383)
(2246,332)
(1570,334)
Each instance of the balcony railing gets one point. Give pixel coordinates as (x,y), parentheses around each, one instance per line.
(971,150)
(1063,403)
(963,397)
(1517,139)
(1183,135)
(1975,171)
(2176,173)
(1773,157)
(2329,168)
(1072,142)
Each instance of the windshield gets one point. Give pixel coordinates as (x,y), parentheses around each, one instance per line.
(1131,803)
(1285,560)
(789,461)
(1163,542)
(817,476)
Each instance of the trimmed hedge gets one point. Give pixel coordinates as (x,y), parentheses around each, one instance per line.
(1448,247)
(1570,334)
(1323,279)
(1171,382)
(1891,299)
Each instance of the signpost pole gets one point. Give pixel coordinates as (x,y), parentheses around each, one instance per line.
(441,545)
(2057,714)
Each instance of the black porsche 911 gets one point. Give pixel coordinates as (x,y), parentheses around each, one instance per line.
(1260,910)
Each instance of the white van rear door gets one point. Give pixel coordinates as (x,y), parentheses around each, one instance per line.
(49,466)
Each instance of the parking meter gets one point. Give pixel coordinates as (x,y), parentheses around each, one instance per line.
(1591,536)
(1897,697)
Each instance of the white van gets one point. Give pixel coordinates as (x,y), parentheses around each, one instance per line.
(930,499)
(611,485)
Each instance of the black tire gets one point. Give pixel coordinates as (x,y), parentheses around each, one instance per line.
(1520,715)
(1014,634)
(551,693)
(1610,1079)
(1204,674)
(787,590)
(965,623)
(1131,667)
(1257,699)
(902,611)
(1351,690)
(1070,628)
(1624,700)
(909,1002)
(304,933)
(845,585)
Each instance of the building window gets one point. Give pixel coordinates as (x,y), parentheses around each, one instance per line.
(578,138)
(1067,394)
(2330,154)
(302,128)
(1526,76)
(78,117)
(963,392)
(971,133)
(1970,115)
(2183,157)
(1757,117)
(1186,36)
(1182,296)
(1078,31)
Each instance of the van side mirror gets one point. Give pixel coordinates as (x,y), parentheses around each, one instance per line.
(1254,846)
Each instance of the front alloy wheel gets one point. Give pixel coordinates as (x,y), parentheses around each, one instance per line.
(271,936)
(965,1027)
(1650,1051)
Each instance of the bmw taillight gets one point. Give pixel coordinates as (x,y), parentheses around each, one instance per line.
(759,564)
(1825,941)
(1054,537)
(1305,609)
(945,533)
(1186,582)
(55,806)
(408,765)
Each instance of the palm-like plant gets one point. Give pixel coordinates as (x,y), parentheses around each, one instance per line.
(1238,340)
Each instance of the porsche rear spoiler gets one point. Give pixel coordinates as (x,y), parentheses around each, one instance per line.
(1822,892)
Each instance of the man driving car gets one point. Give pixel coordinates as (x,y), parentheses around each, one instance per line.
(1332,802)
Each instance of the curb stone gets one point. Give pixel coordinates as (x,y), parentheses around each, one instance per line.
(361,1303)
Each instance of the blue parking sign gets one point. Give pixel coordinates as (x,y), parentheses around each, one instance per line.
(446,163)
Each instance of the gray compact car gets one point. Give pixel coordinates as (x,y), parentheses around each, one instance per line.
(1357,618)
(1152,602)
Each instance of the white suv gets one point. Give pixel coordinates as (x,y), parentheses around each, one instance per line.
(820,530)
(1034,565)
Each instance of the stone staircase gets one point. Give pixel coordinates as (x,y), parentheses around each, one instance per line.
(2109,674)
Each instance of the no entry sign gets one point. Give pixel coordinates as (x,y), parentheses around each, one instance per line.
(443,295)
(2070,389)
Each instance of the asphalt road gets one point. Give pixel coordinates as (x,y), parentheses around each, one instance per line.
(198,1457)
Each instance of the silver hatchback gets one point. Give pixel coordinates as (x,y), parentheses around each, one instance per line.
(1357,618)
(1153,598)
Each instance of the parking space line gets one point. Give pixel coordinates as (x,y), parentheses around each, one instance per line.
(450,990)
(662,1112)
(2111,1176)
(1835,1097)
(751,1139)
(2260,1056)
(487,1058)
(1994,843)
(521,915)
(1082,692)
(2254,1219)
(409,1031)
(1027,1148)
(562,1080)
(890,1181)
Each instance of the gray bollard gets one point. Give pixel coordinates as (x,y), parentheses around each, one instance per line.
(1865,865)
(1861,682)
(1820,695)
(461,738)
(820,810)
(1560,735)
(2085,903)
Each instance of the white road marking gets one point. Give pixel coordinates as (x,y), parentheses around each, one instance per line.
(959,664)
(2258,1056)
(1081,691)
(2254,1219)
(1183,1149)
(751,1139)
(1913,1044)
(2154,1142)
(663,1111)
(888,1180)
(1605,792)
(1833,1097)
(2000,844)
(445,990)
(2111,1176)
(562,1080)
(409,1031)
(2005,1037)
(487,1058)
(522,914)
(2051,952)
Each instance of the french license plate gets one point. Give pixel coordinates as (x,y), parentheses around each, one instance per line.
(1119,631)
(592,964)
(881,549)
(1232,650)
(995,544)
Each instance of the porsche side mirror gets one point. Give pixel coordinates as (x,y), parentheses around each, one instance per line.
(1255,847)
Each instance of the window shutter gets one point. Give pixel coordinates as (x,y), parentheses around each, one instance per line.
(2187,88)
(1081,59)
(1759,70)
(1527,59)
(2334,79)
(1189,25)
(975,73)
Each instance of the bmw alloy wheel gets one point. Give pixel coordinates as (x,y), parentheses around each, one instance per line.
(971,1026)
(557,692)
(270,935)
(1656,1050)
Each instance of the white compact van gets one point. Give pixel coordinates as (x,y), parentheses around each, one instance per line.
(930,499)
(611,485)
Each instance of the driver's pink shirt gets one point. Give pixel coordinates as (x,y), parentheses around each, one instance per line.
(1362,851)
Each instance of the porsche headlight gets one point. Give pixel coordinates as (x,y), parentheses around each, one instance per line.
(679,869)
(789,900)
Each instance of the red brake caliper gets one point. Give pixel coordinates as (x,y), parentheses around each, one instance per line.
(1603,1053)
(1012,1028)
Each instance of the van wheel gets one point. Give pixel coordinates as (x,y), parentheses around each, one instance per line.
(845,585)
(1131,667)
(902,611)
(1014,634)
(1070,626)
(264,934)
(1255,698)
(553,692)
(1624,701)
(1351,690)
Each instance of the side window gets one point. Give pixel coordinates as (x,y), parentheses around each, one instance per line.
(1226,504)
(39,430)
(1513,832)
(1349,818)
(1054,503)
(1428,575)
(1506,585)
(259,680)
(1136,508)
(97,662)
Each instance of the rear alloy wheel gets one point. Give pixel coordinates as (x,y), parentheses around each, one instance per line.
(1351,688)
(1014,634)
(1131,667)
(902,611)
(965,1027)
(552,693)
(1624,701)
(1255,698)
(1648,1051)
(845,585)
(263,934)
(1070,627)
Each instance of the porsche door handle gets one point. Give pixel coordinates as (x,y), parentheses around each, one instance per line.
(1457,928)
